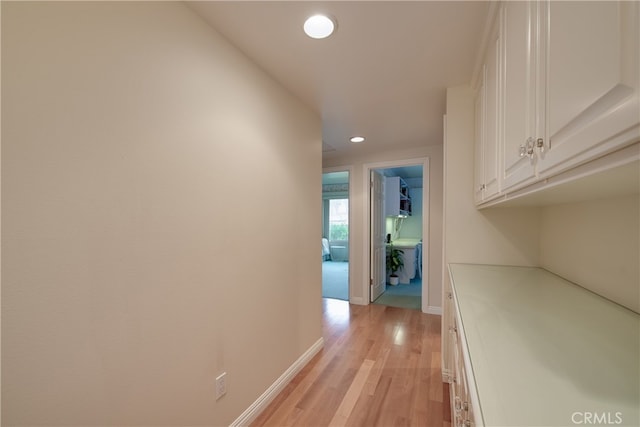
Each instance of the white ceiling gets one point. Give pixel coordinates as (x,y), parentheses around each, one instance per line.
(383,74)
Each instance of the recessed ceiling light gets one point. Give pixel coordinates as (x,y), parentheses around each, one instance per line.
(319,26)
(357,139)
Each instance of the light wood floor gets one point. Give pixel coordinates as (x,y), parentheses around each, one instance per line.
(380,366)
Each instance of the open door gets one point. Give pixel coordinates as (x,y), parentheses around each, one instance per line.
(378,247)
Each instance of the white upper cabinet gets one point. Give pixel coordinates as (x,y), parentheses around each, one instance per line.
(397,198)
(521,101)
(565,81)
(487,129)
(592,104)
(478,169)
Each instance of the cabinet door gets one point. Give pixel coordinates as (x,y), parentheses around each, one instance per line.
(392,196)
(465,405)
(479,185)
(519,24)
(592,81)
(458,373)
(492,114)
(397,200)
(445,332)
(487,116)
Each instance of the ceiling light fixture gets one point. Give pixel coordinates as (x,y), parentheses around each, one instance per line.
(357,139)
(319,26)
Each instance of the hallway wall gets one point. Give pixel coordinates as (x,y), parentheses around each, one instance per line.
(596,244)
(138,264)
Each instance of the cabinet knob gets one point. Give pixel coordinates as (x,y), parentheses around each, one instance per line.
(523,150)
(530,147)
(527,149)
(457,404)
(482,187)
(449,295)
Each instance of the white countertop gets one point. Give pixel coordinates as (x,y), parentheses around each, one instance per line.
(545,352)
(405,243)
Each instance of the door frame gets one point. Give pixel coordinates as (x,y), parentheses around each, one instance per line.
(366,230)
(348,169)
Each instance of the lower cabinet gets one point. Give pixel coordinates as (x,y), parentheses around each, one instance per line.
(525,347)
(461,389)
(460,394)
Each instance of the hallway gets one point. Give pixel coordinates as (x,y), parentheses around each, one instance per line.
(380,367)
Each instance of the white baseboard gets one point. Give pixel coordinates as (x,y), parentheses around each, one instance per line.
(267,397)
(433,310)
(357,301)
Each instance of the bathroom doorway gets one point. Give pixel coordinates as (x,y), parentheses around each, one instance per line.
(405,223)
(335,234)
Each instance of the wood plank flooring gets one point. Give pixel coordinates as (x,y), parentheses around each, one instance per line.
(380,366)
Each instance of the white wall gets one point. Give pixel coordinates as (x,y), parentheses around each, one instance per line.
(595,244)
(491,236)
(359,214)
(138,263)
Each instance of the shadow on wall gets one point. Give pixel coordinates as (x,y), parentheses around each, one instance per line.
(520,231)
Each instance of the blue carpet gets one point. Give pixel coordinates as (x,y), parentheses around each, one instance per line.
(403,296)
(335,280)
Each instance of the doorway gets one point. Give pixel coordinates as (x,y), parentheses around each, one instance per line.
(335,234)
(405,220)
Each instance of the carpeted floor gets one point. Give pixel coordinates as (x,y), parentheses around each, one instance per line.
(335,280)
(404,296)
(335,284)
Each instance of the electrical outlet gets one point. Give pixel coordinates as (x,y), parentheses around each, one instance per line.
(221,385)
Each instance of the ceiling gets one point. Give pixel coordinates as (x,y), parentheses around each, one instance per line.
(383,74)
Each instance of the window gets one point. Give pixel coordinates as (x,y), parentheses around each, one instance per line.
(339,219)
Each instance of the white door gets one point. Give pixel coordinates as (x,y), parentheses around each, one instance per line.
(378,247)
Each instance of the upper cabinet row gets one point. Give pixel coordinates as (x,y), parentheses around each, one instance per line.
(558,86)
(397,198)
